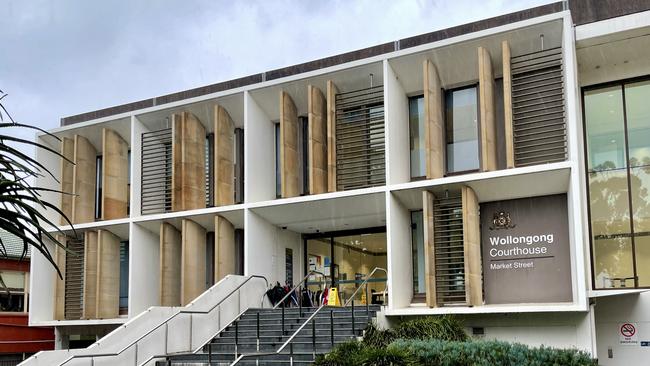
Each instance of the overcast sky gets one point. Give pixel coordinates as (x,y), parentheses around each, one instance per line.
(60,58)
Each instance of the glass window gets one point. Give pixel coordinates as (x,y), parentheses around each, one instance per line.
(617,124)
(417,244)
(637,111)
(98,187)
(417,137)
(605,128)
(461,130)
(124,276)
(12,294)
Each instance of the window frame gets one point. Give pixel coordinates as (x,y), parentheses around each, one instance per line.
(445,93)
(619,83)
(409,98)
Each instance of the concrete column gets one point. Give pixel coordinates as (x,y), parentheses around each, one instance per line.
(170,265)
(84,177)
(224,153)
(472,247)
(332,90)
(289,168)
(488,144)
(193,261)
(317,106)
(108,275)
(67,178)
(89,310)
(434,124)
(59,282)
(507,105)
(115,175)
(188,162)
(429,249)
(225,259)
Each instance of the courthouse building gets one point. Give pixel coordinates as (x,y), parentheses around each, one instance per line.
(498,170)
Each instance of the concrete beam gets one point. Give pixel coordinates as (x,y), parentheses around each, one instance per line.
(115,175)
(170,265)
(84,178)
(108,275)
(225,259)
(488,143)
(472,247)
(318,164)
(224,153)
(188,167)
(289,168)
(434,124)
(193,261)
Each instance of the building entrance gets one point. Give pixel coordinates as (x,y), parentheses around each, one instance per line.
(345,259)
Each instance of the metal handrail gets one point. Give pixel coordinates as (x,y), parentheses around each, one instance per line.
(365,282)
(166,322)
(298,286)
(288,341)
(284,345)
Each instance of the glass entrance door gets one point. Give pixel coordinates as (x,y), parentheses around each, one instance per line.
(346,259)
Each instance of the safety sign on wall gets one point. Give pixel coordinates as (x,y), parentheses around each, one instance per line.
(627,333)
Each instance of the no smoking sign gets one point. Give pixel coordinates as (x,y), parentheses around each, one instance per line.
(627,333)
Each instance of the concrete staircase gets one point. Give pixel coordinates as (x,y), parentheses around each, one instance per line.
(331,326)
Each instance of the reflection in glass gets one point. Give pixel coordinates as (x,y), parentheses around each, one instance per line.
(640,184)
(613,262)
(417,243)
(609,204)
(462,130)
(319,258)
(605,128)
(355,257)
(417,137)
(642,255)
(637,111)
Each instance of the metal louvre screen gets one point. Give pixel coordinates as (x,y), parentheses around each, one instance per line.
(449,250)
(360,143)
(538,108)
(74,279)
(156,171)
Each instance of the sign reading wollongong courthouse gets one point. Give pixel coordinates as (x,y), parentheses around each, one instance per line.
(525,248)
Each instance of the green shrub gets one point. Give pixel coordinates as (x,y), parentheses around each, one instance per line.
(444,327)
(438,327)
(386,357)
(345,354)
(354,353)
(487,353)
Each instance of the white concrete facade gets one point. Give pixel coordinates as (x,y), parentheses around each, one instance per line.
(588,322)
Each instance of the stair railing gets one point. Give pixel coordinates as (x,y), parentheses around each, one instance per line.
(313,322)
(364,284)
(288,341)
(281,301)
(166,325)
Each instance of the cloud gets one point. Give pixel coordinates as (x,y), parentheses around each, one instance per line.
(63,58)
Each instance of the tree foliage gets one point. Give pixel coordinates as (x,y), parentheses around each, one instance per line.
(22,205)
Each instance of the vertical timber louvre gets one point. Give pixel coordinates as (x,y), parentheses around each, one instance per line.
(449,250)
(74,265)
(156,171)
(360,144)
(539,129)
